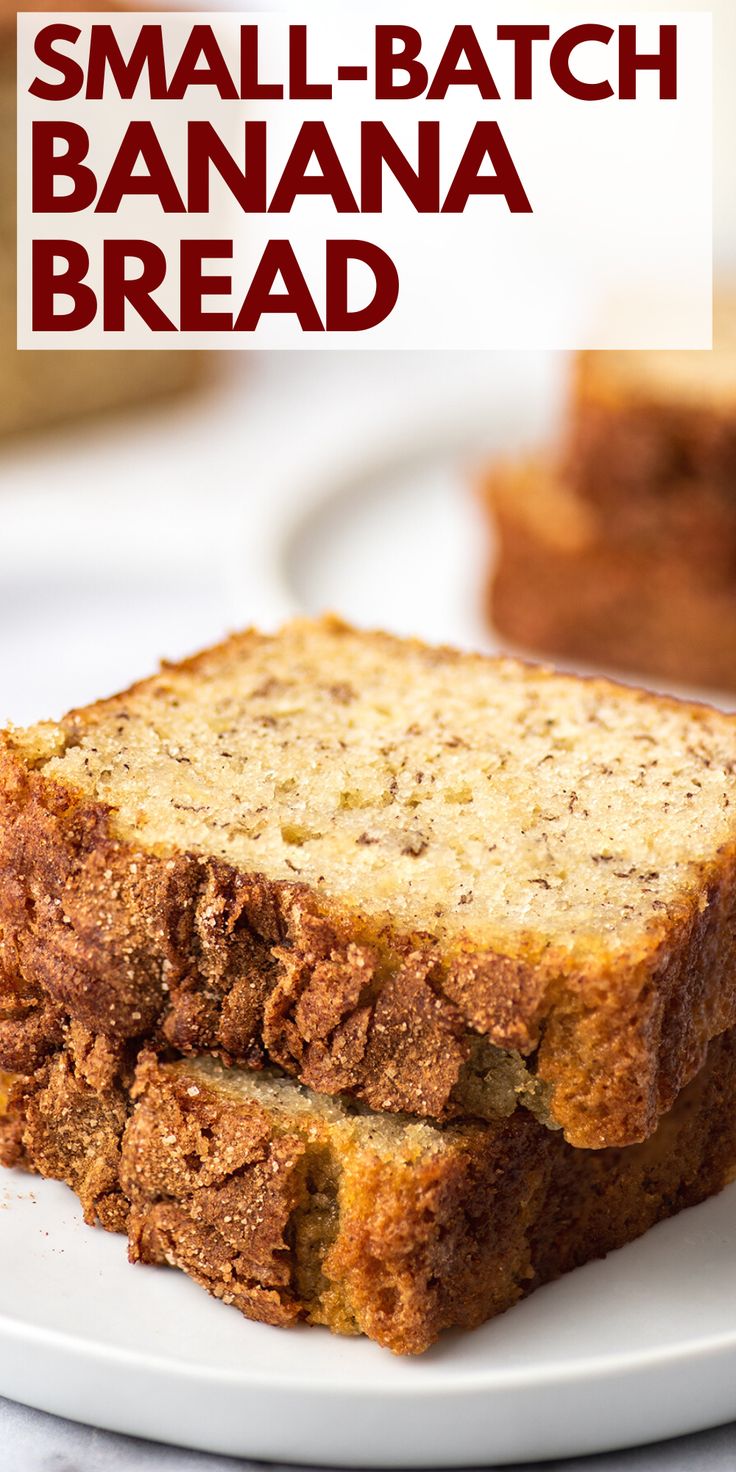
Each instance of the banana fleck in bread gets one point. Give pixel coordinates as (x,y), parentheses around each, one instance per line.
(292,1206)
(569,582)
(436,882)
(41,389)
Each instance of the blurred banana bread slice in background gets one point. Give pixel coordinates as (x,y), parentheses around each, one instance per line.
(437,882)
(295,1207)
(617,546)
(570,581)
(651,437)
(43,389)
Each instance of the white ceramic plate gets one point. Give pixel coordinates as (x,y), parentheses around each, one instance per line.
(640,1347)
(403,544)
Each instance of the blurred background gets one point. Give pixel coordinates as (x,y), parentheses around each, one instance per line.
(151,502)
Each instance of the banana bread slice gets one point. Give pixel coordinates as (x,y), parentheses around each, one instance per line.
(571,581)
(651,438)
(295,1207)
(618,547)
(437,882)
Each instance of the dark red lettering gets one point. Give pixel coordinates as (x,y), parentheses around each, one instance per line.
(105,55)
(47,284)
(194,285)
(663,61)
(463,43)
(389,61)
(300,89)
(202,45)
(278,260)
(522,39)
(251,87)
(486,143)
(140,142)
(338,315)
(119,288)
(47,166)
(313,141)
(247,185)
(72,74)
(560,63)
(378,147)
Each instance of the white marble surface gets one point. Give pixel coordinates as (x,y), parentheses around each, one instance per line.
(33,1442)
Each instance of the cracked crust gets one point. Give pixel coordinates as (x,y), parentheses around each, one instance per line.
(65,1119)
(292,1207)
(204,958)
(190,952)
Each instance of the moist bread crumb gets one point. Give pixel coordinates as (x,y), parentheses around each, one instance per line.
(356,856)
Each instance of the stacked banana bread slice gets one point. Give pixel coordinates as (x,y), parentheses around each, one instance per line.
(370,983)
(618,547)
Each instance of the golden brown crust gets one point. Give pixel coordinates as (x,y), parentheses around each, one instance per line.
(220,1193)
(445,1240)
(602,1199)
(65,1120)
(194,954)
(443,1243)
(293,1216)
(288,1224)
